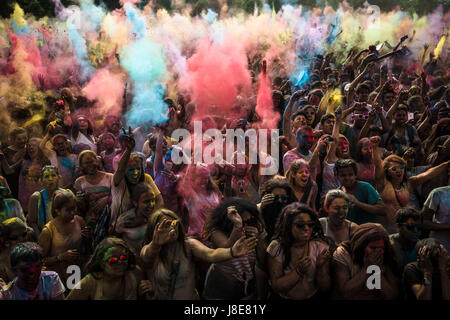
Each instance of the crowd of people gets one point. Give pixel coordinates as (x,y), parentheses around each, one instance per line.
(363,182)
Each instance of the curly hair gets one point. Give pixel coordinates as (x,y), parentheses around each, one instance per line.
(218,219)
(284,224)
(277,182)
(95,264)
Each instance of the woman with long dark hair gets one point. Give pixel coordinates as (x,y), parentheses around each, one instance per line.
(235,278)
(298,256)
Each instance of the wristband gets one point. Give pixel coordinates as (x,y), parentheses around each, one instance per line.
(231,253)
(426,281)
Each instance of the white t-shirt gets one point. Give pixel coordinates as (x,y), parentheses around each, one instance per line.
(439,201)
(329,180)
(48,288)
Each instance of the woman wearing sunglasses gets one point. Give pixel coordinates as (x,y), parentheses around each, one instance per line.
(236,278)
(112,275)
(298,256)
(168,256)
(393,184)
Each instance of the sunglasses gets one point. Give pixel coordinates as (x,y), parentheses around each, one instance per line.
(283,197)
(401,167)
(413,226)
(115,260)
(20,236)
(301,225)
(360,116)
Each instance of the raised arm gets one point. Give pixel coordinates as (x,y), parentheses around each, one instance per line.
(430,174)
(380,178)
(43,145)
(119,175)
(241,248)
(354,84)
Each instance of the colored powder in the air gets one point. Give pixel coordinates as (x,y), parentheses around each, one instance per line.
(439,47)
(107,89)
(264,104)
(216,75)
(136,20)
(81,52)
(210,16)
(144,60)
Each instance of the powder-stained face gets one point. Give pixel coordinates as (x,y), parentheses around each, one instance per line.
(347,177)
(299,121)
(115,261)
(375,246)
(337,211)
(343,150)
(305,138)
(134,171)
(311,115)
(401,117)
(68,211)
(89,164)
(50,179)
(302,176)
(28,275)
(108,142)
(366,150)
(21,140)
(328,125)
(146,203)
(396,170)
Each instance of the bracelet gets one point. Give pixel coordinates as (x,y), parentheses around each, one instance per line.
(231,253)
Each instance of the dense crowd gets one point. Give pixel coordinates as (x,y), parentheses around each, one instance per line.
(363,181)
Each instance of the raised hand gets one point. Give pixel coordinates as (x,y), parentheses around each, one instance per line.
(244,246)
(375,141)
(234,216)
(267,200)
(163,233)
(129,140)
(423,258)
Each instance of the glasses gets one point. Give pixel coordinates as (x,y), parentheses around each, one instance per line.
(19,236)
(301,225)
(401,167)
(283,197)
(360,116)
(115,260)
(413,226)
